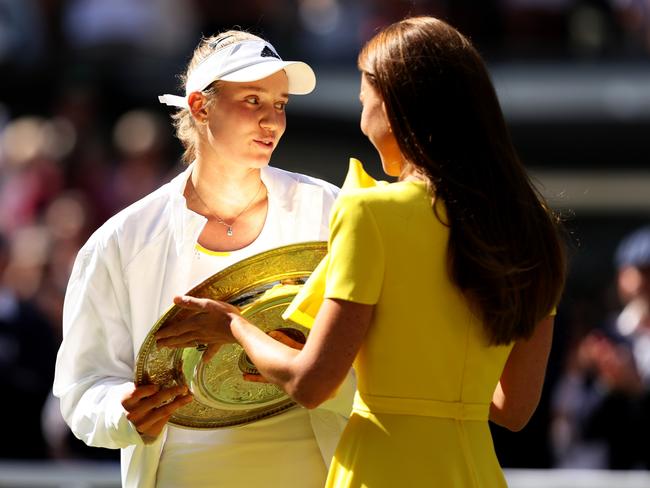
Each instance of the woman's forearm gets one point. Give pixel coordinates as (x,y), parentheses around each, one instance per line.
(518,392)
(311,375)
(273,359)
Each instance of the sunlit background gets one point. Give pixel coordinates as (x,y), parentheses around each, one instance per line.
(82,136)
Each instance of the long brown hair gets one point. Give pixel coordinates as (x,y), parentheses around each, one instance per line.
(505,251)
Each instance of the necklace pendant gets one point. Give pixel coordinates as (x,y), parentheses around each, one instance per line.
(229,231)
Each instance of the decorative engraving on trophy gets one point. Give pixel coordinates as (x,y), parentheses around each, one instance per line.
(239,391)
(221,291)
(262,286)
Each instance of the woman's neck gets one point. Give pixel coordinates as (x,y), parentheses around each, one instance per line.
(412,173)
(224,189)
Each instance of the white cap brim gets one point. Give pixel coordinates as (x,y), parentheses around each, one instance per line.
(302,79)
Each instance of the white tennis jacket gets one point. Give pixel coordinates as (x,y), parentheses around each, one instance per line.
(124,279)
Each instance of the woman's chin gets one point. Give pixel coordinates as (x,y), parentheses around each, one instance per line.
(257,163)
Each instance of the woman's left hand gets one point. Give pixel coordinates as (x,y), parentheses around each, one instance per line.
(209,325)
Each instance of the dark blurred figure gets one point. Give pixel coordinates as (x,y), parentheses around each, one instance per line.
(601,407)
(27,353)
(22,51)
(30,176)
(139,138)
(634,18)
(125,48)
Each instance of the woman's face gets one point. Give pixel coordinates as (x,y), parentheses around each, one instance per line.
(375,126)
(246,120)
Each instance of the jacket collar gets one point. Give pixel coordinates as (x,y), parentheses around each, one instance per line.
(186,225)
(286,190)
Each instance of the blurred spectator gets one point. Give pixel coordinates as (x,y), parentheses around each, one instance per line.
(140,137)
(87,167)
(27,353)
(277,20)
(331,30)
(21,34)
(602,403)
(30,176)
(68,221)
(634,18)
(125,46)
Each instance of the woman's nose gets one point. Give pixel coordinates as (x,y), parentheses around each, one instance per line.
(270,119)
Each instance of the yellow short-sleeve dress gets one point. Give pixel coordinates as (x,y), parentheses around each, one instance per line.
(425,372)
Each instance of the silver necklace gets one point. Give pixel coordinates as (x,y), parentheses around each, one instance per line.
(228,226)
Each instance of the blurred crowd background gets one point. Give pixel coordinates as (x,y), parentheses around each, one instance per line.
(82,136)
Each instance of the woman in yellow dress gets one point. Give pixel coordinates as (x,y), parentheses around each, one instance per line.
(440,287)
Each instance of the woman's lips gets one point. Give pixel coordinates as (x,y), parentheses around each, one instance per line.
(264,143)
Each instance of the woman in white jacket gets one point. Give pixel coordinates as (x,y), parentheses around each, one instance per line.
(227,205)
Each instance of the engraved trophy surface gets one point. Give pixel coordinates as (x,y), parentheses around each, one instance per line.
(262,286)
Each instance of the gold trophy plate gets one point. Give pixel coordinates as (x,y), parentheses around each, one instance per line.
(262,286)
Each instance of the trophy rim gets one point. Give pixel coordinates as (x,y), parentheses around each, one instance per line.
(248,281)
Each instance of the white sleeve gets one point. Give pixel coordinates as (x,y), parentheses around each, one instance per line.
(330,193)
(94,367)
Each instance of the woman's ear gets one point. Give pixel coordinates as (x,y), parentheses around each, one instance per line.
(197,103)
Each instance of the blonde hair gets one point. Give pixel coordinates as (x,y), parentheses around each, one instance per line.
(182,120)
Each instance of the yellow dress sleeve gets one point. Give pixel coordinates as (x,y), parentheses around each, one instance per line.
(304,307)
(355,267)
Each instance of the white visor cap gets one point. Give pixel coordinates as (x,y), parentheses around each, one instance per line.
(247,60)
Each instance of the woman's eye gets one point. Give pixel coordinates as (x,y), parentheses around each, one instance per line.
(252,100)
(281,106)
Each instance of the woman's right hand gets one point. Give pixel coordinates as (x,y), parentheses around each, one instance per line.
(149,407)
(208,325)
